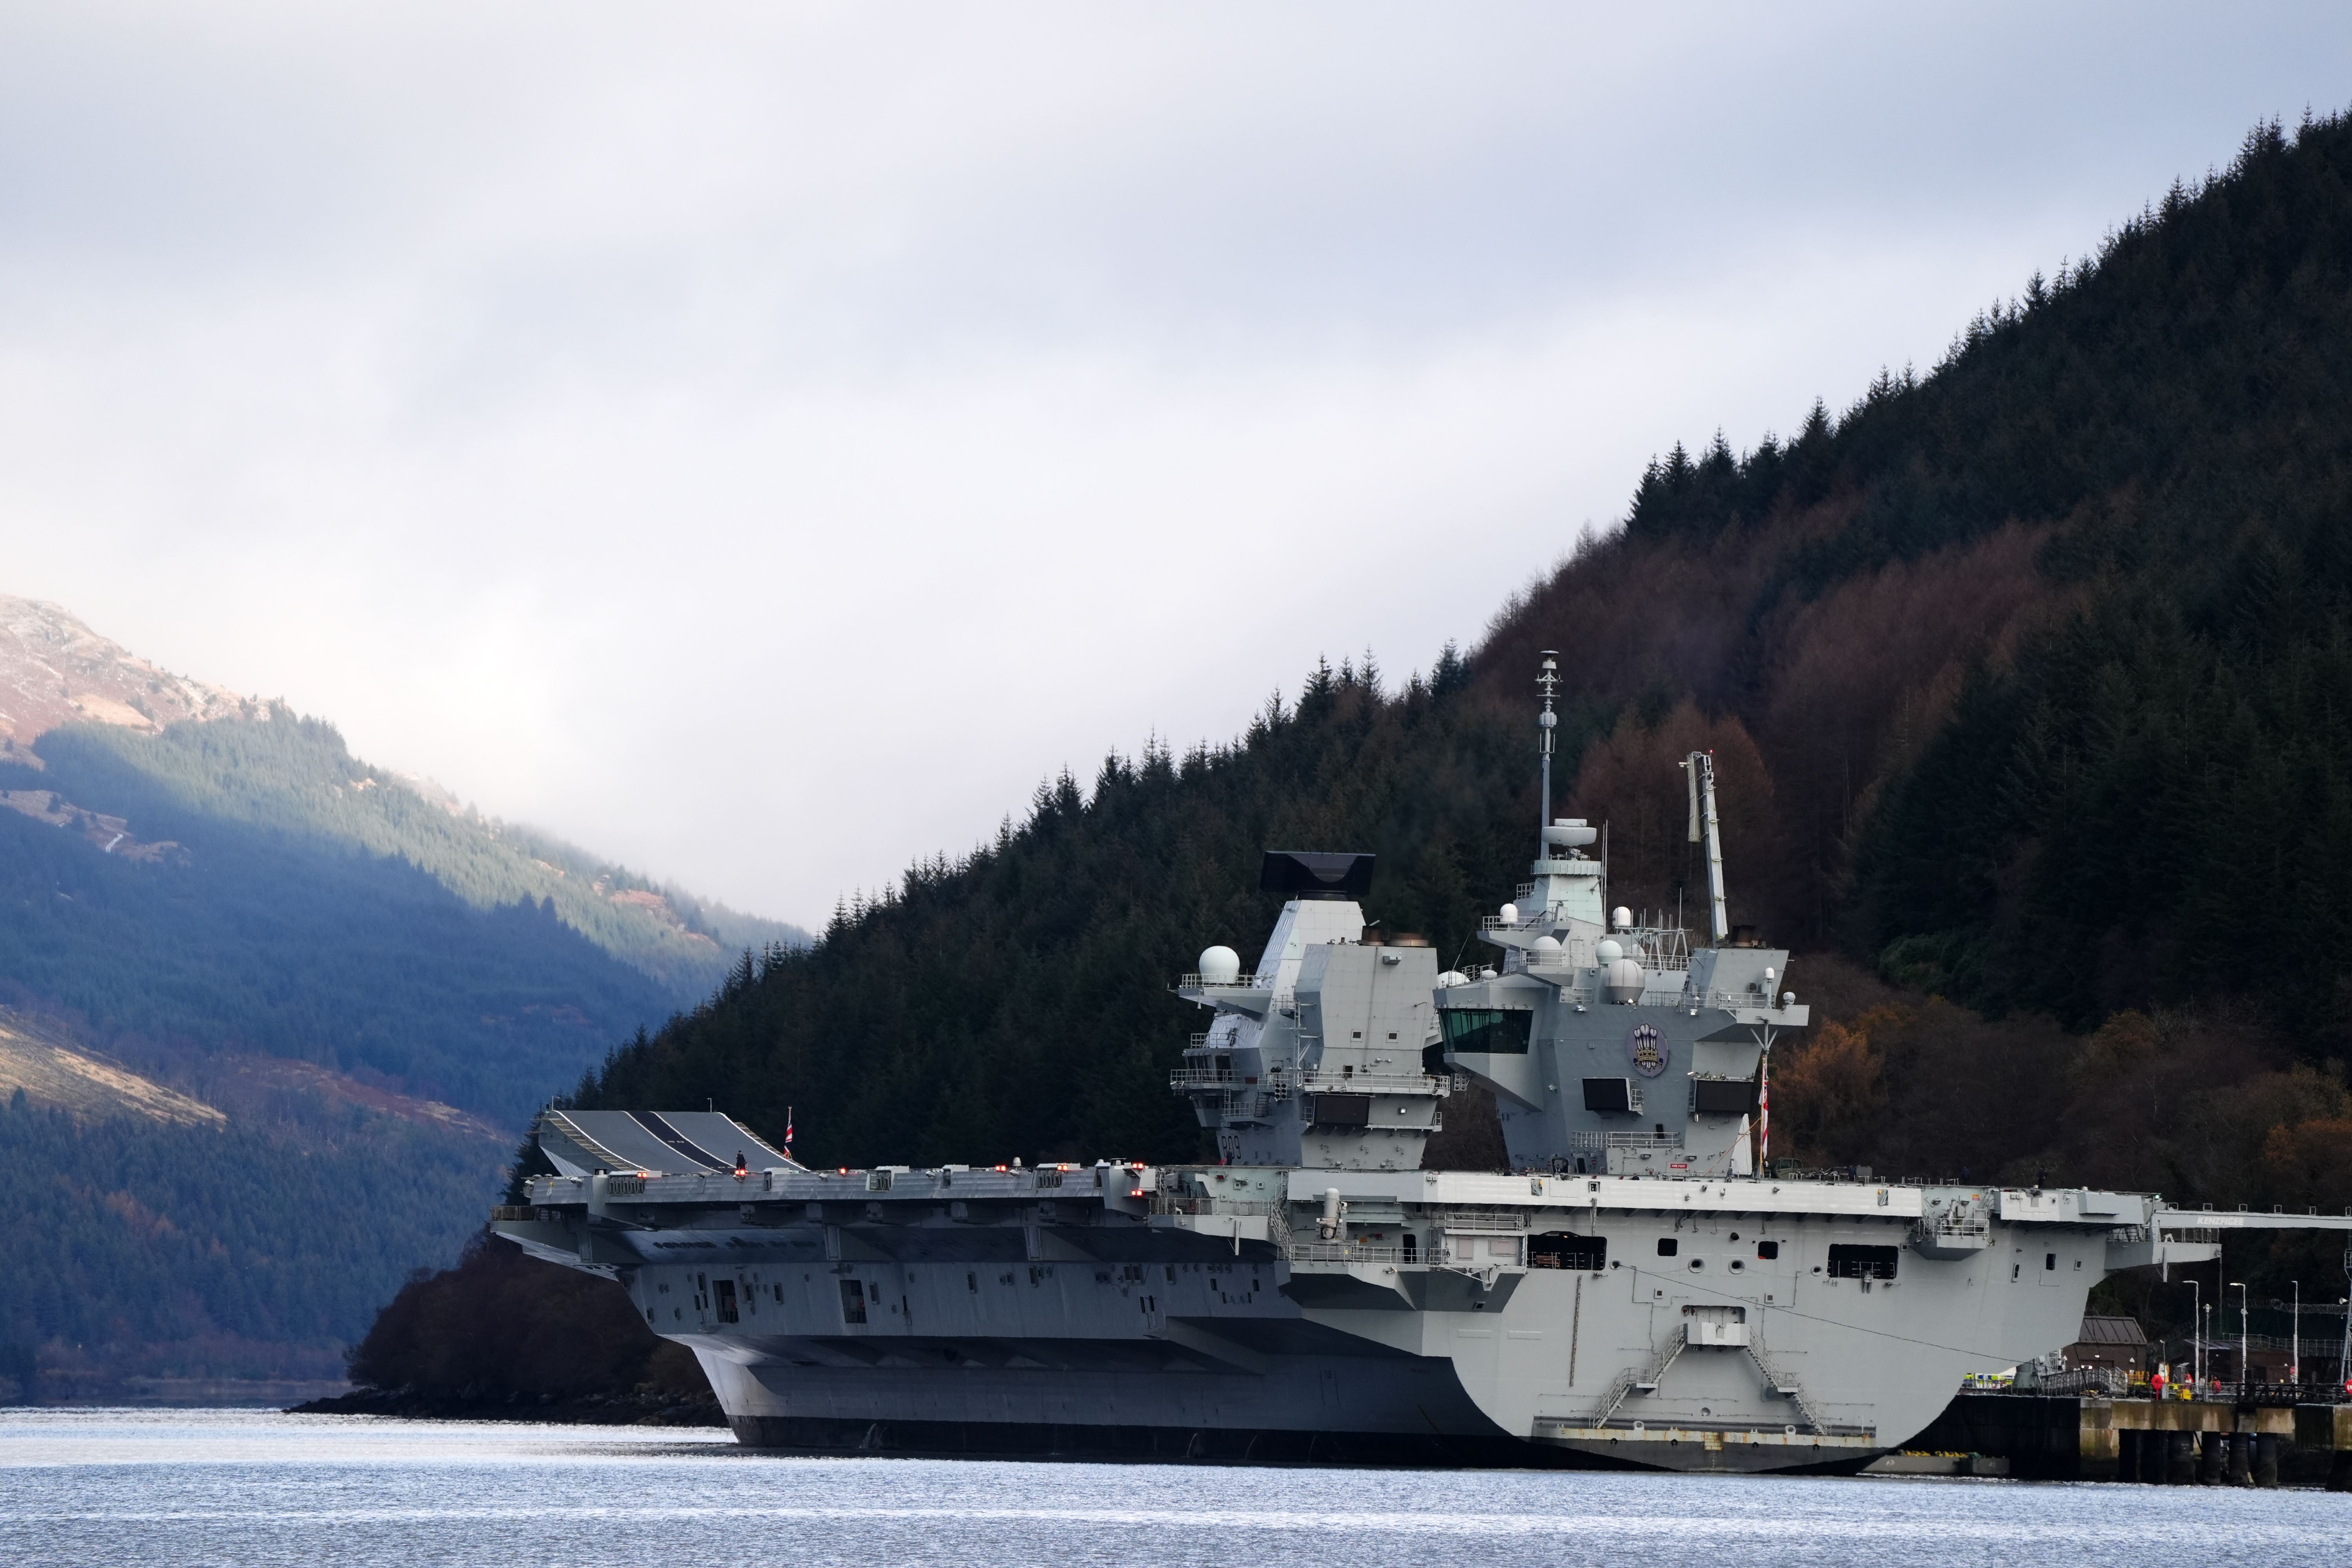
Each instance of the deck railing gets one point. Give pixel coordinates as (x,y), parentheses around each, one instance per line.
(1597,1143)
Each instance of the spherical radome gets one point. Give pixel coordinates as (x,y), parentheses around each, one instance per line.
(1221,966)
(1610,950)
(1511,913)
(1621,917)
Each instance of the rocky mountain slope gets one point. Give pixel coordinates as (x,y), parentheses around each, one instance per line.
(37,1068)
(56,672)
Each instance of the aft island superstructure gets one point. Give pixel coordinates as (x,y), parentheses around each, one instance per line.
(1635,1291)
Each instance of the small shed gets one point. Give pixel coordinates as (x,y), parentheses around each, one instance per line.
(2118,1342)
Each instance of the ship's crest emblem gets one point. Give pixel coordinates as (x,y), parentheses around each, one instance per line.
(1645,1048)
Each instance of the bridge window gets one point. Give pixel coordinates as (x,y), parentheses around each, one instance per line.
(1848,1261)
(1493,1031)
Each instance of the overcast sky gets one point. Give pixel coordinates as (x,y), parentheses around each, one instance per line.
(761,442)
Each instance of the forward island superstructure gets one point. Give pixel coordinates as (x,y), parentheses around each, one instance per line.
(1636,1291)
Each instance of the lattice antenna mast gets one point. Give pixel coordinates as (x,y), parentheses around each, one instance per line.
(1547,727)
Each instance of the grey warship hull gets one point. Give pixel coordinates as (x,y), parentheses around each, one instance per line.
(1128,1312)
(1642,1293)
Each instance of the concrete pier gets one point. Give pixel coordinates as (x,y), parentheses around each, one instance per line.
(2159,1442)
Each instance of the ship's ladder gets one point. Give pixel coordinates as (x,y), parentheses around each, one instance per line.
(1632,1379)
(1784,1385)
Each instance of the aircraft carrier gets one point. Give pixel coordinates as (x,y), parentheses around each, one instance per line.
(1636,1291)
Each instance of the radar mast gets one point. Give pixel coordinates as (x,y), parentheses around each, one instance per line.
(1547,725)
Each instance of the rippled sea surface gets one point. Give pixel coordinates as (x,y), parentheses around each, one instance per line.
(117,1487)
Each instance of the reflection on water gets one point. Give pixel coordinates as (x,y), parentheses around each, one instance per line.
(188,1487)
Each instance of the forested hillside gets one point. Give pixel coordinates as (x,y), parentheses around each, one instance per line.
(293,778)
(2027,683)
(146,1257)
(274,1015)
(258,932)
(246,885)
(2027,678)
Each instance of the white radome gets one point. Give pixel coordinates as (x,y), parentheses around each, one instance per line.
(1547,949)
(1610,950)
(1220,966)
(1621,917)
(1511,913)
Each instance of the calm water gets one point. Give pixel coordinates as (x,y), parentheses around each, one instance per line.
(116,1486)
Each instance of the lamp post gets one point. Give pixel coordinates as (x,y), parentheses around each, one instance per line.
(2344,1346)
(2196,1336)
(2343,1349)
(2244,1340)
(2294,1341)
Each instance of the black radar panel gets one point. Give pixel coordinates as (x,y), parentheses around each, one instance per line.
(1308,873)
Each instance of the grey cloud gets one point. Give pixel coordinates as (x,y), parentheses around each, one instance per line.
(502,382)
